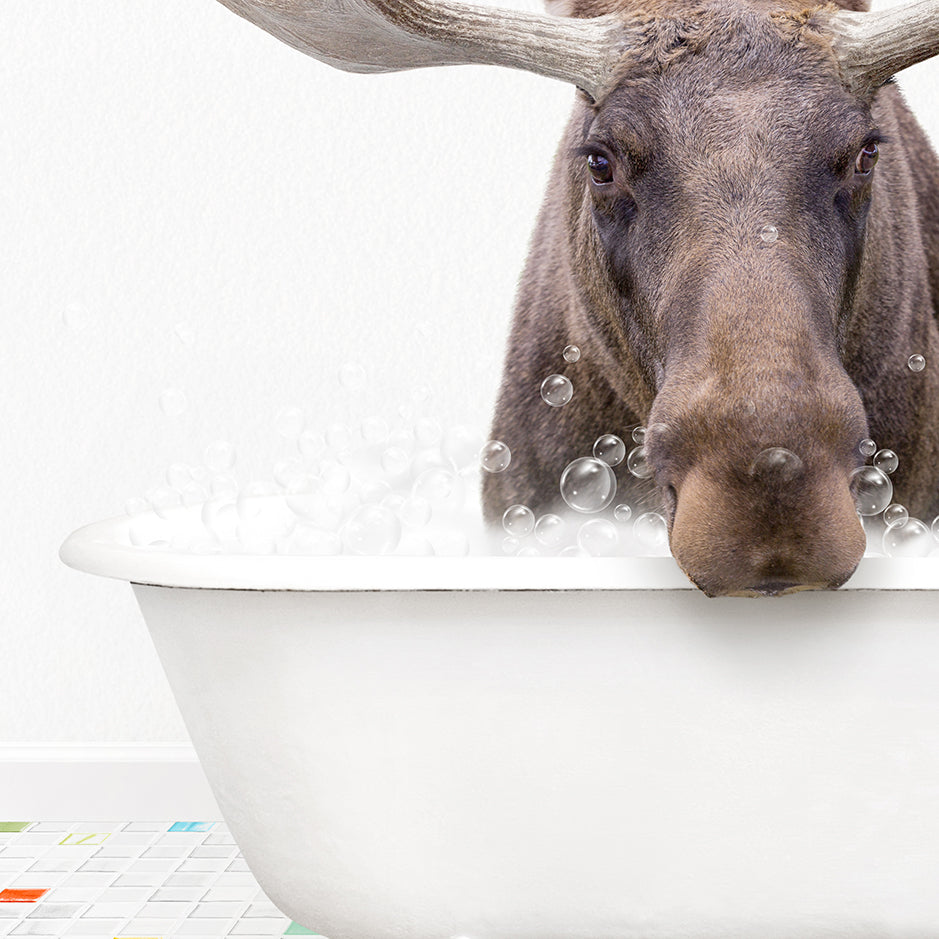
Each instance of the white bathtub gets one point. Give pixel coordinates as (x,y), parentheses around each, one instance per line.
(525,748)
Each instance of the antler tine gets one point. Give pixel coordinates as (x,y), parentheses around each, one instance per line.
(389,35)
(873,46)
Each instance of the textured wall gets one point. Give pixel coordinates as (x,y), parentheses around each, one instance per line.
(188,204)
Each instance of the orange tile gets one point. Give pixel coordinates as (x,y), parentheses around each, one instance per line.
(21,896)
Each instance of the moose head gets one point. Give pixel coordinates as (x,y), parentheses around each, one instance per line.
(717,238)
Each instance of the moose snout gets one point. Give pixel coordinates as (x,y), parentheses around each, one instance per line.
(763,534)
(756,481)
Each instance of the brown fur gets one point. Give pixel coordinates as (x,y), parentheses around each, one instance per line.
(728,116)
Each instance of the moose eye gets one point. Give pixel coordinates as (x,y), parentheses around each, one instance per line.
(600,168)
(866,159)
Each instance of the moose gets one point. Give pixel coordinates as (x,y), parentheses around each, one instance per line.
(740,232)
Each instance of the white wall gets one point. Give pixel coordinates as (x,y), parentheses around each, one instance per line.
(164,163)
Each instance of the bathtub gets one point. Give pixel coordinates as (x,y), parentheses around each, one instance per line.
(527,748)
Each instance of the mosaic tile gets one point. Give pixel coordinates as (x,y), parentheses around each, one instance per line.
(22,895)
(14,826)
(297,930)
(41,927)
(259,927)
(54,910)
(94,927)
(85,838)
(132,880)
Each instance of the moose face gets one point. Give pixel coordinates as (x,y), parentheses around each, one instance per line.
(722,188)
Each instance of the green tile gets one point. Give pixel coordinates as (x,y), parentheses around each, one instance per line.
(295,929)
(14,826)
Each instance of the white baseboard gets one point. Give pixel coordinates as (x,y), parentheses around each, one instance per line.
(103,782)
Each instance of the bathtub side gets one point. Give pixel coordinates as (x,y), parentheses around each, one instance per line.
(538,765)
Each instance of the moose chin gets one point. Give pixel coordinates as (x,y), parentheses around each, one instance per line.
(740,232)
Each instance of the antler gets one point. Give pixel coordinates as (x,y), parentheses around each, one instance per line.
(873,46)
(389,35)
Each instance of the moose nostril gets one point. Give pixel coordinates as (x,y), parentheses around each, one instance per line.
(777,464)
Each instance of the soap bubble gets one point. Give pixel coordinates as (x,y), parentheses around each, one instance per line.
(253,499)
(638,463)
(651,530)
(374,430)
(308,499)
(867,447)
(571,354)
(908,539)
(415,511)
(224,485)
(136,506)
(450,543)
(192,494)
(610,449)
(219,456)
(598,537)
(309,540)
(162,499)
(338,438)
(935,528)
(639,435)
(769,234)
(622,512)
(372,529)
(440,486)
(352,376)
(460,446)
(886,461)
(529,551)
(427,432)
(895,514)
(173,402)
(588,485)
(395,462)
(510,545)
(220,518)
(776,464)
(573,551)
(556,390)
(518,520)
(312,445)
(285,470)
(872,490)
(495,457)
(550,530)
(916,363)
(336,477)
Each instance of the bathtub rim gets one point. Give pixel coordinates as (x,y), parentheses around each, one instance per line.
(99,548)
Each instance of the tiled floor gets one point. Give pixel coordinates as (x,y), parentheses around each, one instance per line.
(139,880)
